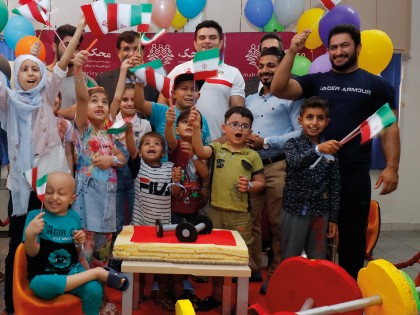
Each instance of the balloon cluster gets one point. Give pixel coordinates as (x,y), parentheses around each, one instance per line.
(175,13)
(377,48)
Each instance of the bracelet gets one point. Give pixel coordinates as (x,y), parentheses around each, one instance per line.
(116,161)
(250,185)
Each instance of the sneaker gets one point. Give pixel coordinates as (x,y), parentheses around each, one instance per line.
(208,304)
(256,276)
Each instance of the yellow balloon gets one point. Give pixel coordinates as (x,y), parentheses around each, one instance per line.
(310,20)
(376,52)
(179,20)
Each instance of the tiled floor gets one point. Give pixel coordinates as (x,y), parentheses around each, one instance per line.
(395,246)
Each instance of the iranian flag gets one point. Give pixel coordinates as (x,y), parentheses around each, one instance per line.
(44,4)
(32,11)
(330,4)
(38,185)
(96,15)
(118,127)
(156,65)
(206,63)
(384,117)
(147,41)
(148,76)
(127,15)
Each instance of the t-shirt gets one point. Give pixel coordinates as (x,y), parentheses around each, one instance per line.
(57,254)
(352,98)
(158,120)
(152,192)
(228,166)
(189,201)
(215,94)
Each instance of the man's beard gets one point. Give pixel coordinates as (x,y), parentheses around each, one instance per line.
(347,65)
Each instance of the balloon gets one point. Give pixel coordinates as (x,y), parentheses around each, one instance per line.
(178,21)
(301,65)
(258,12)
(163,12)
(310,20)
(190,8)
(23,46)
(4,14)
(376,52)
(288,11)
(16,28)
(5,67)
(341,14)
(321,64)
(273,25)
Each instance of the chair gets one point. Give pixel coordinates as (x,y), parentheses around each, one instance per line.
(374,226)
(25,302)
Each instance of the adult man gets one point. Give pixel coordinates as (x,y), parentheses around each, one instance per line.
(68,94)
(353,96)
(217,94)
(127,47)
(275,121)
(253,85)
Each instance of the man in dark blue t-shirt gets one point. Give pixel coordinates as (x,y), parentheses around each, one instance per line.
(353,95)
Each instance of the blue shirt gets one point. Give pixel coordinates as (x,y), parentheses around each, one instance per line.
(275,119)
(158,120)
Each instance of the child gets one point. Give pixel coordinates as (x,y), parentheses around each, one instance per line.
(184,94)
(96,178)
(27,116)
(237,171)
(52,239)
(153,181)
(124,102)
(312,191)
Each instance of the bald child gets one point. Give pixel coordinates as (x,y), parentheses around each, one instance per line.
(52,238)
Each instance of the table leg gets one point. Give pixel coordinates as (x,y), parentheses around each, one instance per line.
(127,296)
(227,296)
(242,296)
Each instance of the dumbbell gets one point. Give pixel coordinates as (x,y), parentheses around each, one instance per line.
(160,228)
(187,232)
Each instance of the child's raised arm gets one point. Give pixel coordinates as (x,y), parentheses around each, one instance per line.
(143,106)
(130,141)
(71,48)
(119,90)
(203,152)
(82,94)
(169,128)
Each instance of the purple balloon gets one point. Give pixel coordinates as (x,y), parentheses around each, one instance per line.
(341,14)
(321,64)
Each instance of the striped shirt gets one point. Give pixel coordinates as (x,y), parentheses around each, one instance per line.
(152,192)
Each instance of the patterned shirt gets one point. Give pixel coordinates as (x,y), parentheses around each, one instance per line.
(316,191)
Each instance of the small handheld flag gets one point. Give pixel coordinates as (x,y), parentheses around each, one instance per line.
(96,15)
(44,4)
(147,41)
(33,11)
(39,185)
(381,119)
(148,76)
(127,15)
(156,65)
(329,4)
(118,127)
(206,64)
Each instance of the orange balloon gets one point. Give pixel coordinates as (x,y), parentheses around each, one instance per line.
(23,46)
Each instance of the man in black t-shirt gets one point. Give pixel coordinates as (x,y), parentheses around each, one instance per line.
(353,95)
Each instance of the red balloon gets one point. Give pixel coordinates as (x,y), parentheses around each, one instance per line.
(23,46)
(163,12)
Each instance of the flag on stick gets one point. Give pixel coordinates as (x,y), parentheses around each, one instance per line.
(383,118)
(118,127)
(38,185)
(329,4)
(206,63)
(156,80)
(33,11)
(96,15)
(147,41)
(126,15)
(155,64)
(44,4)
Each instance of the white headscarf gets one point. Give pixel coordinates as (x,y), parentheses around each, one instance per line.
(19,133)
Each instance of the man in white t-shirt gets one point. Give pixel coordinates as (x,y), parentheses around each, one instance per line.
(219,93)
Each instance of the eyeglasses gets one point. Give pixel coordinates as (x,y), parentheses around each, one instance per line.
(235,125)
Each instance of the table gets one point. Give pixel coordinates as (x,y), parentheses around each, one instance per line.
(227,271)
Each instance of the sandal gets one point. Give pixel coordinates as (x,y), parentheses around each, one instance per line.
(114,279)
(168,304)
(208,304)
(195,301)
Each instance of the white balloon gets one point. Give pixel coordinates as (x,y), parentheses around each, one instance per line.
(287,12)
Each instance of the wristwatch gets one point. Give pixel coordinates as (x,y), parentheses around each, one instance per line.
(266,145)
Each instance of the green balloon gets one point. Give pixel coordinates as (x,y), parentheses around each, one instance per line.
(301,65)
(4,15)
(273,25)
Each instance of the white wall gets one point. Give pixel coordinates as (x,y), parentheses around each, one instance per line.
(401,208)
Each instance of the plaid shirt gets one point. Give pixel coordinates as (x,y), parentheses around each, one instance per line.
(314,192)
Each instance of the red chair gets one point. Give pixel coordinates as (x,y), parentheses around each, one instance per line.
(25,302)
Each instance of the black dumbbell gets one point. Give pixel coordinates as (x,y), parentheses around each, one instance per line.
(160,228)
(186,232)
